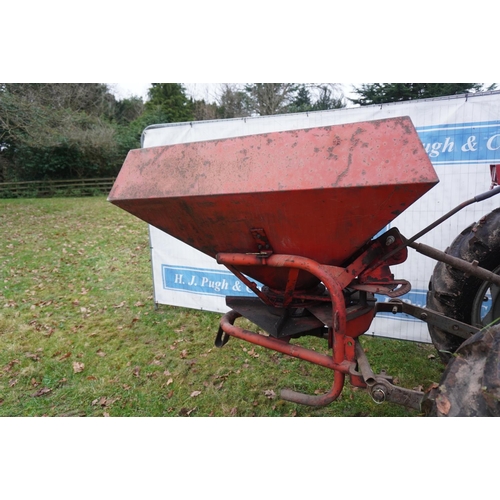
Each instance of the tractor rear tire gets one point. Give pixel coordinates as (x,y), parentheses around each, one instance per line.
(470,385)
(462,297)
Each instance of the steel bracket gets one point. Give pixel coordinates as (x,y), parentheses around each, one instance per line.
(449,325)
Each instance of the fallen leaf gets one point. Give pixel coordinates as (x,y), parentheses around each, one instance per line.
(12,382)
(443,404)
(104,401)
(136,372)
(195,393)
(233,412)
(100,353)
(65,356)
(41,392)
(184,353)
(270,394)
(49,333)
(78,367)
(34,357)
(105,414)
(170,381)
(184,412)
(167,373)
(434,385)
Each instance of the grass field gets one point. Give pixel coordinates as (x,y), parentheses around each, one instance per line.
(80,336)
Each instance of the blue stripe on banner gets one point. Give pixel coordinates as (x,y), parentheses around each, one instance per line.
(203,281)
(222,283)
(465,143)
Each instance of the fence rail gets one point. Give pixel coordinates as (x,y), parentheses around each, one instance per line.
(49,188)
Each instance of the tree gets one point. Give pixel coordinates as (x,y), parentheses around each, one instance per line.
(171,100)
(92,98)
(203,110)
(129,109)
(129,136)
(260,99)
(302,101)
(238,100)
(378,93)
(232,102)
(330,97)
(57,131)
(317,97)
(270,98)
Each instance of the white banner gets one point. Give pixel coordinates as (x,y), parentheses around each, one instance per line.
(461,134)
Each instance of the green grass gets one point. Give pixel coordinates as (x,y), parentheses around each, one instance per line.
(79,333)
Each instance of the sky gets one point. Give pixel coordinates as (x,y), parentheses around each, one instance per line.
(124,90)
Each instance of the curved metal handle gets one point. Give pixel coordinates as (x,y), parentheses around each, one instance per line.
(319,400)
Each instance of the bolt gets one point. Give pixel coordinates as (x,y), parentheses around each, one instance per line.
(378,395)
(390,240)
(423,316)
(455,327)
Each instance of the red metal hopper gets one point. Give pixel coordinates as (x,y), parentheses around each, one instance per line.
(298,211)
(319,193)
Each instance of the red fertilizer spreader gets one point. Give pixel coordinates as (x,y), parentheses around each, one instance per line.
(294,216)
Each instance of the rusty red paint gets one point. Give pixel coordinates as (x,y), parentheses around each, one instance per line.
(321,193)
(340,368)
